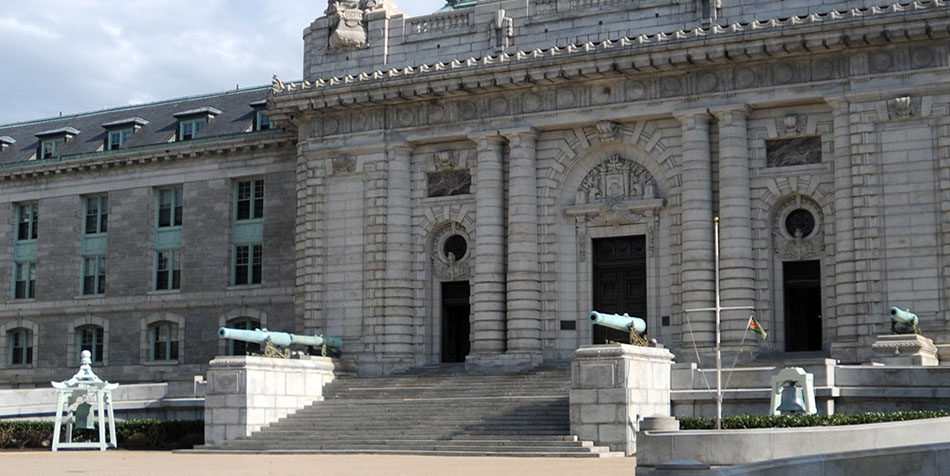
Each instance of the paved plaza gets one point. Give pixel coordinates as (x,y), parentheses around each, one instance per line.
(147,463)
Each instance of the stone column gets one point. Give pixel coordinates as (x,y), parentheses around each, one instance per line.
(845,286)
(488,290)
(736,269)
(697,272)
(524,282)
(398,294)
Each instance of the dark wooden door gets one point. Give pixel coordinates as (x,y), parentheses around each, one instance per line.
(620,282)
(455,321)
(802,305)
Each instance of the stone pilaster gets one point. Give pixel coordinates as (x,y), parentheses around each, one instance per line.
(846,311)
(489,290)
(398,294)
(736,268)
(524,283)
(697,267)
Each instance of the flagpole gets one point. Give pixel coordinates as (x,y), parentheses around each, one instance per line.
(718,335)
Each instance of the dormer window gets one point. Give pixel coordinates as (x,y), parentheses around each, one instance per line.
(52,142)
(118,132)
(191,123)
(261,121)
(5,142)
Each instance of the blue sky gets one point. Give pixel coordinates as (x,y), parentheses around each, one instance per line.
(59,56)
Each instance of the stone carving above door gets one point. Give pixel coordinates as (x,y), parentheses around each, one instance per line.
(616,180)
(451,253)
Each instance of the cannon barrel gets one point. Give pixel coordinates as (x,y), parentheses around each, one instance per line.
(904,317)
(279,339)
(616,321)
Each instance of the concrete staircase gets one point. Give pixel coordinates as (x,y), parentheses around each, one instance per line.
(430,411)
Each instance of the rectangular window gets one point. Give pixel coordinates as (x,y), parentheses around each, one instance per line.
(97,214)
(91,339)
(168,270)
(247,264)
(118,137)
(49,147)
(250,200)
(27,221)
(21,346)
(262,122)
(169,207)
(190,128)
(25,283)
(94,275)
(163,340)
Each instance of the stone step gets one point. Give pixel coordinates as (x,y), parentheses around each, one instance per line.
(438,446)
(447,442)
(500,453)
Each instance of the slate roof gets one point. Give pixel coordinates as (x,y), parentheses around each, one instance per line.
(236,116)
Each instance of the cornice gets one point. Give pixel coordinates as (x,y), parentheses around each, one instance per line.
(146,155)
(716,44)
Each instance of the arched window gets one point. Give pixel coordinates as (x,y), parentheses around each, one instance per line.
(237,347)
(163,341)
(91,338)
(20,343)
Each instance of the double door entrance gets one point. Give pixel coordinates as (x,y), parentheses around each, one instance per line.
(620,282)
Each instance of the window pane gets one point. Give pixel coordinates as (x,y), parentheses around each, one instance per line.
(259,199)
(256,265)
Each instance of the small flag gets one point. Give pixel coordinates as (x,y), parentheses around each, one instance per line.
(754,326)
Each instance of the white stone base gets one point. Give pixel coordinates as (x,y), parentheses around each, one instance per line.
(246,393)
(905,350)
(615,386)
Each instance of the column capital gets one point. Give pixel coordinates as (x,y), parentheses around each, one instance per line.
(730,112)
(693,118)
(518,132)
(839,104)
(400,147)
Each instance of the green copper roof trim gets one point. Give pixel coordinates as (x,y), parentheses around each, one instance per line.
(452,5)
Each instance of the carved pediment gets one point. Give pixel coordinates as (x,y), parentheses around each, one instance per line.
(616,180)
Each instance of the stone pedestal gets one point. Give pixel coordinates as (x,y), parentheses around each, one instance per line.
(247,392)
(905,350)
(615,386)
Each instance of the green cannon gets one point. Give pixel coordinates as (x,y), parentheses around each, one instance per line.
(276,343)
(904,322)
(635,326)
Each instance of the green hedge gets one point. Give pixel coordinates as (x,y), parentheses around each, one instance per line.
(132,434)
(800,420)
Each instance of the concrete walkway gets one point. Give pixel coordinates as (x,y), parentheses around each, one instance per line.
(149,463)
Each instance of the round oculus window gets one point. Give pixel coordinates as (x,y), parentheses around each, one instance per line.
(800,223)
(455,246)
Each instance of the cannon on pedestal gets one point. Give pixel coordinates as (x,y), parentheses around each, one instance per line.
(276,343)
(904,322)
(635,326)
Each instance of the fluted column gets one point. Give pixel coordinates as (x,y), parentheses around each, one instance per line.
(846,290)
(398,294)
(737,267)
(697,268)
(524,282)
(488,290)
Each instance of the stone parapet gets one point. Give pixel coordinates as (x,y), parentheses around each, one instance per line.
(615,386)
(246,393)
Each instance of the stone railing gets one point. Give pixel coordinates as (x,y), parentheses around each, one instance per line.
(440,22)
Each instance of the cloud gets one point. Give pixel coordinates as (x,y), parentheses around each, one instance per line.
(86,55)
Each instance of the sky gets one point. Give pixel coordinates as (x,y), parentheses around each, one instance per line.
(73,56)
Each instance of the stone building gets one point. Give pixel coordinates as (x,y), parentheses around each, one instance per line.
(468,185)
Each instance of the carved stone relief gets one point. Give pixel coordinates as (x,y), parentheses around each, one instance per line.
(615,180)
(347,24)
(901,108)
(791,124)
(608,131)
(447,243)
(451,175)
(344,165)
(797,230)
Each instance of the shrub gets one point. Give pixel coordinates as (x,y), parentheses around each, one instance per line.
(802,420)
(137,434)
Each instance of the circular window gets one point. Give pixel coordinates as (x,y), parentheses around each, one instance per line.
(800,223)
(455,246)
